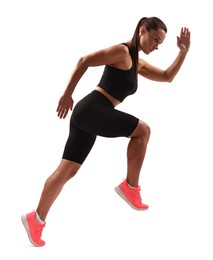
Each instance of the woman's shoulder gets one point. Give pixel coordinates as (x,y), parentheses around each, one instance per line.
(121,48)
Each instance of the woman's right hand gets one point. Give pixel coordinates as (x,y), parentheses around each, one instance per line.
(183,41)
(64,105)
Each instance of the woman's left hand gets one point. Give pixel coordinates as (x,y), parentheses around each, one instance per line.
(64,105)
(183,42)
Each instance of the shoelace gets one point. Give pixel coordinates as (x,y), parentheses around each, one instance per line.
(39,230)
(138,195)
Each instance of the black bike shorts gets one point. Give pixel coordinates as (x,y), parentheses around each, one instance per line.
(94,116)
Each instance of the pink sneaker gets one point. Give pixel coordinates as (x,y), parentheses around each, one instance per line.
(34,228)
(131,195)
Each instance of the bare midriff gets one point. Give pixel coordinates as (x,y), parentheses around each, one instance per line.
(113,100)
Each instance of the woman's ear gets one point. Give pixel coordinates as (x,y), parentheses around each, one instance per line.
(142,30)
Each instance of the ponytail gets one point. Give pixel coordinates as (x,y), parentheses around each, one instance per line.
(151,23)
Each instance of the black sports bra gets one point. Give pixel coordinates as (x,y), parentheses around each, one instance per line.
(119,83)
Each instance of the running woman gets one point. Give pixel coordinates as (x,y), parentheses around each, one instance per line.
(96,115)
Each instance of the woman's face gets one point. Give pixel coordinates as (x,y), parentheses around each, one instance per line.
(149,40)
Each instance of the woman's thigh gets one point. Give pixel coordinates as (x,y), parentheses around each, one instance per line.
(96,115)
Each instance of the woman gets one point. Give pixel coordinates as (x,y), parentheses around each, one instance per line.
(95,115)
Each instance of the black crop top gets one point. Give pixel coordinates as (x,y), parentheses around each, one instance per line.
(119,83)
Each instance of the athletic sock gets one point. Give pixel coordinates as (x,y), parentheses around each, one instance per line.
(38,219)
(131,186)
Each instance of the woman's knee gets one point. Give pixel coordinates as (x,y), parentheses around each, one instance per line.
(67,169)
(142,130)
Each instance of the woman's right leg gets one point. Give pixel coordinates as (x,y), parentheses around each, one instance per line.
(77,148)
(34,222)
(54,184)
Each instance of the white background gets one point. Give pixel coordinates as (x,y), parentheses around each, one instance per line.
(40,44)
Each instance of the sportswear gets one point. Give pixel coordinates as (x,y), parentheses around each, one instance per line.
(33,228)
(94,116)
(119,83)
(131,195)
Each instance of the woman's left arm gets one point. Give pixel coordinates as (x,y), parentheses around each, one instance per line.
(153,73)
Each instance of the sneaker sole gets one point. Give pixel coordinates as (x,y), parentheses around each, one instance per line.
(122,195)
(25,223)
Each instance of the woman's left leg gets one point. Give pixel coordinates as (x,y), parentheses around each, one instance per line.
(136,152)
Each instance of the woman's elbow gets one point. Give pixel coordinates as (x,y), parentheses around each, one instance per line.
(168,78)
(82,62)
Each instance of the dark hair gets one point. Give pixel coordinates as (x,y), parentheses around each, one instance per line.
(151,23)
